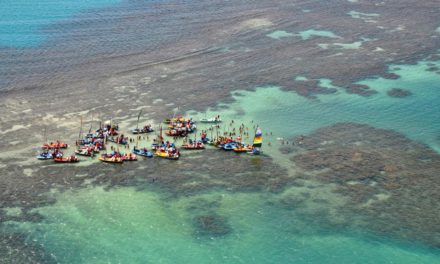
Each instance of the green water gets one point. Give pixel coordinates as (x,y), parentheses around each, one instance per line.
(127,226)
(287,114)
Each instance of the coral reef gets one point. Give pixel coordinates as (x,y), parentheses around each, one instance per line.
(211,225)
(398,93)
(390,181)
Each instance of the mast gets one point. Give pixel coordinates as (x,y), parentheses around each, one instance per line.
(91,124)
(80,129)
(45,135)
(137,124)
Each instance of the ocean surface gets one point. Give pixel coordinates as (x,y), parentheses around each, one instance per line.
(128,225)
(25,24)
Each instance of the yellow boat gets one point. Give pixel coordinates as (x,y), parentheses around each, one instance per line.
(166,155)
(242,149)
(111,159)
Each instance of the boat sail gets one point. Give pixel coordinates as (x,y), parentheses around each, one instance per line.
(258,142)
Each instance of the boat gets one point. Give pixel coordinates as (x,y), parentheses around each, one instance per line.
(229,145)
(257,143)
(71,159)
(193,145)
(212,120)
(167,154)
(45,156)
(85,151)
(129,157)
(242,148)
(179,119)
(55,145)
(111,159)
(144,130)
(176,133)
(119,140)
(143,152)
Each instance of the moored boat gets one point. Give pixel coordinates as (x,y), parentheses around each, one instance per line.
(85,151)
(119,140)
(193,145)
(242,148)
(229,146)
(143,152)
(112,159)
(212,120)
(129,157)
(55,145)
(144,130)
(45,156)
(167,154)
(71,159)
(257,144)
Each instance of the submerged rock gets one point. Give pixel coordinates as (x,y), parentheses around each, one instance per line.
(211,225)
(399,93)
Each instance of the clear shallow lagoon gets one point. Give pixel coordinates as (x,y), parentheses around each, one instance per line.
(22,22)
(128,226)
(287,114)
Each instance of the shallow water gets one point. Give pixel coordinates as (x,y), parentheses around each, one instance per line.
(287,114)
(128,226)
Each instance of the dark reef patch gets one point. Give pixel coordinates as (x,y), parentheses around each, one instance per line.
(211,225)
(391,181)
(399,93)
(14,248)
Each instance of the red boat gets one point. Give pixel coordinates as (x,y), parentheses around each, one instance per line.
(129,157)
(71,159)
(55,145)
(193,146)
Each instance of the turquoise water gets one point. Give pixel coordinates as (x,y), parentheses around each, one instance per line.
(22,22)
(416,116)
(306,34)
(127,226)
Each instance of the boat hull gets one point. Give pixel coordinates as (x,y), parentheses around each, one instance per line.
(111,160)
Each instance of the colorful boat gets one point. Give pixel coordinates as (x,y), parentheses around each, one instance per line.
(167,154)
(257,144)
(144,130)
(111,159)
(85,151)
(242,148)
(45,156)
(193,146)
(55,145)
(213,120)
(229,146)
(71,159)
(119,140)
(179,119)
(143,152)
(129,157)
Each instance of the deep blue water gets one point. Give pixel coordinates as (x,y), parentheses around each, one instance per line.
(26,23)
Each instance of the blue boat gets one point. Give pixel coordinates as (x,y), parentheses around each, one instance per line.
(229,146)
(45,156)
(143,152)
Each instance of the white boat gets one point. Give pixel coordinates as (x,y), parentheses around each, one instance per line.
(211,120)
